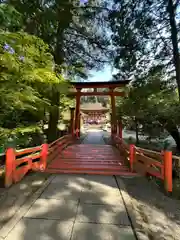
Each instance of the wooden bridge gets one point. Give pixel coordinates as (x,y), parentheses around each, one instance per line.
(77,195)
(65,155)
(89,159)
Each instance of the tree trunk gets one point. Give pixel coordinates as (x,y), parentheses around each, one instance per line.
(174,38)
(176,136)
(173,131)
(52,133)
(63,15)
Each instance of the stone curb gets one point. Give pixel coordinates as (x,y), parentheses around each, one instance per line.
(23,209)
(135,217)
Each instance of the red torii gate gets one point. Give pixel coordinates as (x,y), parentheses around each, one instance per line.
(75,117)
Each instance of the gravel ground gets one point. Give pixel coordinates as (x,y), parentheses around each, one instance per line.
(160,214)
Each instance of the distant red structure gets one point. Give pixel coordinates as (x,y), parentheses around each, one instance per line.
(93,112)
(111,86)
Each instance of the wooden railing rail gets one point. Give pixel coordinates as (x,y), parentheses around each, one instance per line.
(147,162)
(56,147)
(20,162)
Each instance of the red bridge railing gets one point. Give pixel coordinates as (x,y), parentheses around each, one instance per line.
(147,162)
(56,147)
(19,163)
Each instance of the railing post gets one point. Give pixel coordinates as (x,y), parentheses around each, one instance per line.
(44,155)
(10,163)
(168,171)
(77,133)
(131,155)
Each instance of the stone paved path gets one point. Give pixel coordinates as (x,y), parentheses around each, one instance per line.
(81,207)
(94,137)
(76,207)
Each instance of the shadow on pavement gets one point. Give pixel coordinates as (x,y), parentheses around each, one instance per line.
(81,207)
(78,208)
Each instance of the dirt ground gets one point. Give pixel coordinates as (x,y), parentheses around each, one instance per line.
(160,214)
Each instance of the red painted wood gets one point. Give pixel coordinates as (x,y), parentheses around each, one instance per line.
(21,172)
(131,155)
(168,171)
(44,154)
(77,113)
(119,94)
(120,128)
(10,159)
(72,122)
(78,161)
(115,84)
(89,159)
(91,168)
(107,173)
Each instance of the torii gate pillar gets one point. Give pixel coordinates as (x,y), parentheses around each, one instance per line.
(72,122)
(113,116)
(120,128)
(77,113)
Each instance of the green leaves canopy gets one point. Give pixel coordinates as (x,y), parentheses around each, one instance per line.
(151,101)
(25,66)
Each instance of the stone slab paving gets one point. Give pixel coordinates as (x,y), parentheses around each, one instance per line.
(68,217)
(98,213)
(62,190)
(41,229)
(104,181)
(15,197)
(55,209)
(101,190)
(107,197)
(89,231)
(94,137)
